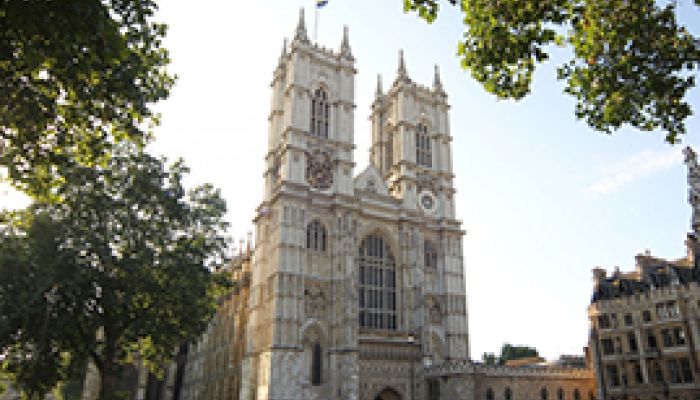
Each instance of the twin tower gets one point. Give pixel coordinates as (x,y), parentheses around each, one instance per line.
(356,282)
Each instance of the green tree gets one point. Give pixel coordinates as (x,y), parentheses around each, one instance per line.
(120,264)
(489,359)
(632,63)
(75,77)
(509,352)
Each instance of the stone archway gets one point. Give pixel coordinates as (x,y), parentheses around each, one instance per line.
(388,394)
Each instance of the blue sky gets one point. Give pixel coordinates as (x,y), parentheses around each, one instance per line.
(543,198)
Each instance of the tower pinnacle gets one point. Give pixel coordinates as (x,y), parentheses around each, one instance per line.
(379,86)
(437,83)
(401,72)
(345,44)
(283,55)
(300,34)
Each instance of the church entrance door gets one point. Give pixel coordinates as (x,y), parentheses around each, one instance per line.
(388,394)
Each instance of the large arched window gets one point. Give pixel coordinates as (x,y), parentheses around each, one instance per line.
(543,394)
(319,113)
(489,394)
(577,394)
(316,236)
(560,394)
(430,253)
(424,154)
(377,295)
(508,394)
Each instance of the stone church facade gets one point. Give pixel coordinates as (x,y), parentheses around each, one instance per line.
(354,287)
(355,281)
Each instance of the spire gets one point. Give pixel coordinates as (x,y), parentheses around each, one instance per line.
(284,52)
(379,85)
(300,34)
(345,44)
(401,72)
(437,83)
(691,161)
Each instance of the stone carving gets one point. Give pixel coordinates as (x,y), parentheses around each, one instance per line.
(434,310)
(371,185)
(425,182)
(319,169)
(315,300)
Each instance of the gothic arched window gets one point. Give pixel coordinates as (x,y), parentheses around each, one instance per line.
(489,394)
(424,154)
(430,253)
(577,394)
(508,394)
(316,236)
(377,284)
(320,108)
(560,394)
(543,394)
(316,364)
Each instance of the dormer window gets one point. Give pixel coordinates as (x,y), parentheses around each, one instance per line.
(424,154)
(319,114)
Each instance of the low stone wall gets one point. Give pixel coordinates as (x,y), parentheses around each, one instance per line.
(468,381)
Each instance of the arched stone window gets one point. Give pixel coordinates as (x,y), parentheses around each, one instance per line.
(424,154)
(508,394)
(489,394)
(560,394)
(430,253)
(377,295)
(316,236)
(316,364)
(543,394)
(577,394)
(320,113)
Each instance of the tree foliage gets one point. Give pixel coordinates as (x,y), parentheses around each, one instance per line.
(121,264)
(632,63)
(75,77)
(509,352)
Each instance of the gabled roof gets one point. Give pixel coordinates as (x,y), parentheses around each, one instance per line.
(371,180)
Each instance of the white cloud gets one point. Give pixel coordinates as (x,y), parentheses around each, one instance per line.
(632,168)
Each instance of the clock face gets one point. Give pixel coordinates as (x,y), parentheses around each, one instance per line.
(319,169)
(427,201)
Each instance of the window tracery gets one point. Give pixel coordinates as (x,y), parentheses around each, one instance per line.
(320,110)
(424,155)
(377,275)
(316,236)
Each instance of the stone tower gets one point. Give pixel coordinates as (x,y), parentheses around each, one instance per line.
(302,266)
(356,281)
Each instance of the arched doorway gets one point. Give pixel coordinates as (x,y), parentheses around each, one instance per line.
(388,394)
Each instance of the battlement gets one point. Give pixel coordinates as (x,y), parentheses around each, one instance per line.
(469,367)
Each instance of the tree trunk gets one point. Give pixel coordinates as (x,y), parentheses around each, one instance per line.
(106,381)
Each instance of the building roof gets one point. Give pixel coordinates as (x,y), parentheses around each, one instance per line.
(651,273)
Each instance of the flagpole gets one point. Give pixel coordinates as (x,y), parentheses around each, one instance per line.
(315,22)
